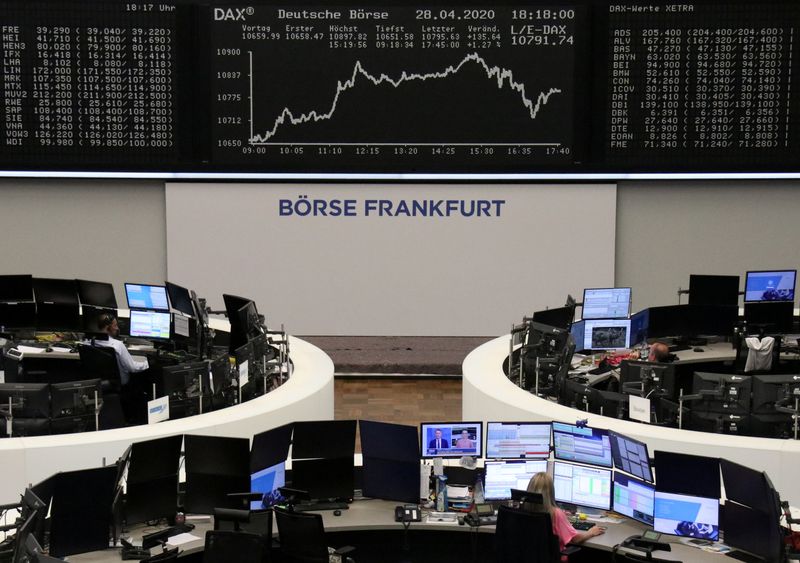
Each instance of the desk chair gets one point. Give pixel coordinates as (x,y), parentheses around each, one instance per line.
(522,536)
(302,539)
(741,357)
(225,546)
(100,362)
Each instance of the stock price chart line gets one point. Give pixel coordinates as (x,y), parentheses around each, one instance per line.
(455,89)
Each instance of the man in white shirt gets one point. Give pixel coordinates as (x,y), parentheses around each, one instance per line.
(126,363)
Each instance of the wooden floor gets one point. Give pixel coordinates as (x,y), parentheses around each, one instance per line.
(402,400)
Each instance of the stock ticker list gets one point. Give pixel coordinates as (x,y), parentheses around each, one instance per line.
(88,80)
(406,88)
(702,83)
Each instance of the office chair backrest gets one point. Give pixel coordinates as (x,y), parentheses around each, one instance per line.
(226,546)
(525,537)
(302,536)
(100,362)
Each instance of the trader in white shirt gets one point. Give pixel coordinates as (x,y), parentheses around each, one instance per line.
(127,365)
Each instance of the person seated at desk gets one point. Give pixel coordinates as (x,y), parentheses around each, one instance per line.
(659,352)
(542,483)
(127,365)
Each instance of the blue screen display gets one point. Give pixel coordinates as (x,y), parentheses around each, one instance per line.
(770,286)
(152,297)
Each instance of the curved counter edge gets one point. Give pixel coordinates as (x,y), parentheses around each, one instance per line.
(488,395)
(306,395)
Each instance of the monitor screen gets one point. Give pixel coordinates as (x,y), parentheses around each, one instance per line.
(607,334)
(607,303)
(770,286)
(776,316)
(451,439)
(577,331)
(16,288)
(150,324)
(141,296)
(687,516)
(582,486)
(713,290)
(582,444)
(267,482)
(673,468)
(631,456)
(180,298)
(384,440)
(633,498)
(752,531)
(560,317)
(97,294)
(747,486)
(518,440)
(640,323)
(502,476)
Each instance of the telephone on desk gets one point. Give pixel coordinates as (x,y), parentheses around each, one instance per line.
(407,513)
(481,515)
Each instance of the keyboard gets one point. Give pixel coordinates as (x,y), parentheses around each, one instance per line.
(308,507)
(583,525)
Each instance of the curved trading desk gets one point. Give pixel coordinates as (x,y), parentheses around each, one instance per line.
(488,395)
(306,395)
(367,517)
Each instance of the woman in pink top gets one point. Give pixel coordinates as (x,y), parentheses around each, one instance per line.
(542,483)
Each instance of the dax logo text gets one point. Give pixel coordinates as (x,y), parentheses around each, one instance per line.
(232,14)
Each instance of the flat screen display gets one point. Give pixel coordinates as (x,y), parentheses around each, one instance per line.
(633,498)
(140,296)
(582,486)
(607,303)
(451,439)
(631,456)
(502,476)
(518,440)
(267,482)
(577,331)
(150,324)
(686,516)
(770,285)
(607,334)
(582,444)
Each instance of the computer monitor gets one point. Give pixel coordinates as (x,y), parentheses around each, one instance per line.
(582,444)
(747,487)
(187,382)
(648,378)
(670,320)
(577,331)
(686,516)
(270,447)
(758,533)
(28,400)
(606,303)
(385,440)
(56,304)
(75,398)
(775,316)
(267,481)
(710,320)
(97,294)
(243,318)
(582,486)
(324,479)
(765,285)
(324,438)
(771,389)
(630,456)
(152,479)
(722,393)
(150,324)
(718,422)
(221,377)
(607,334)
(502,476)
(390,460)
(713,290)
(16,288)
(518,440)
(560,317)
(143,296)
(687,474)
(451,439)
(180,298)
(215,467)
(609,403)
(633,498)
(640,323)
